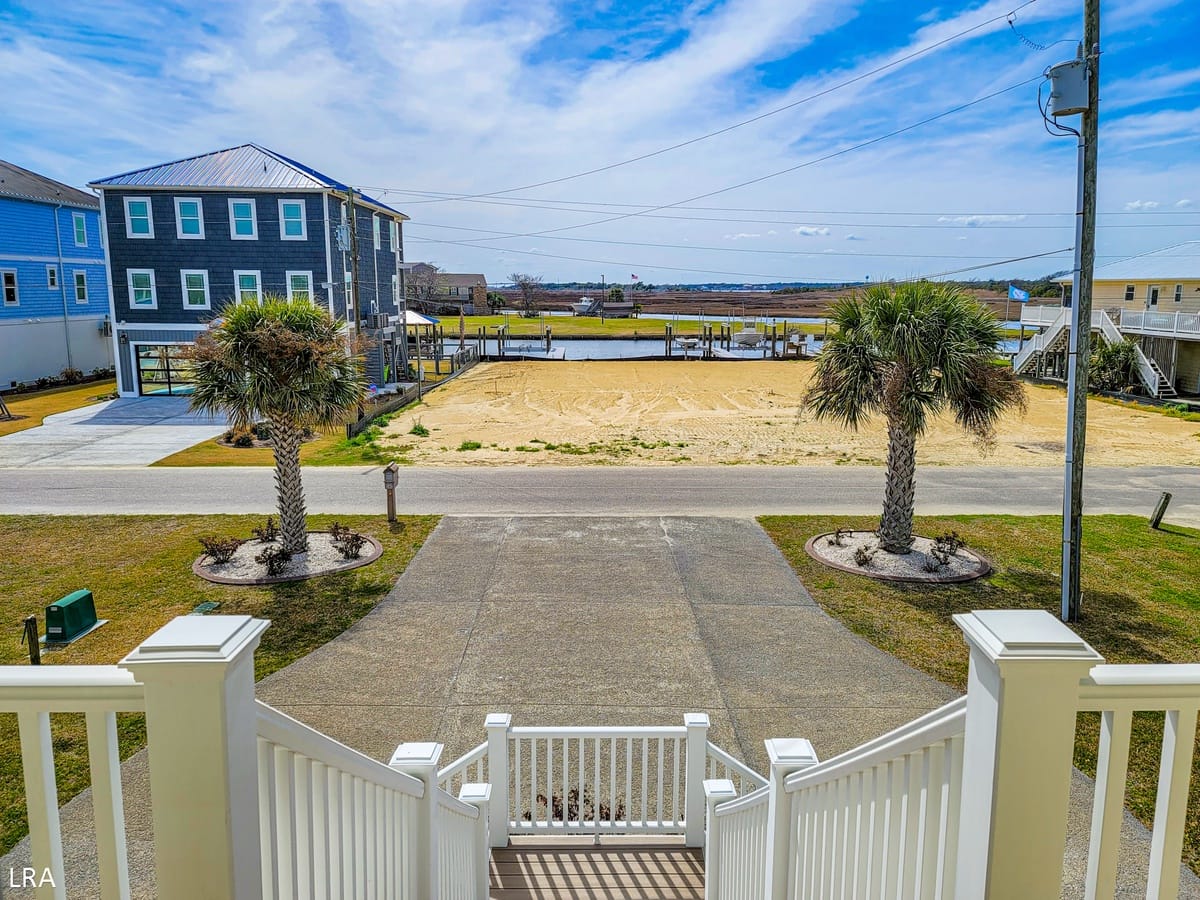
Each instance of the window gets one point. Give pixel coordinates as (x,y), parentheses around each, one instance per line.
(349,295)
(395,288)
(189,219)
(292,224)
(142,294)
(81,295)
(243,222)
(195,288)
(1179,293)
(8,279)
(52,277)
(249,286)
(1129,289)
(394,234)
(375,228)
(139,220)
(1152,295)
(299,285)
(79,221)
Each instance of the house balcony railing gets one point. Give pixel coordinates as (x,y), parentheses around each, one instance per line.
(1164,324)
(968,801)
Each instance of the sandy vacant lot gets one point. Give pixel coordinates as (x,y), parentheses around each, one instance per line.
(717,412)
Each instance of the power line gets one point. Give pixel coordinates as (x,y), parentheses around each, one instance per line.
(792,105)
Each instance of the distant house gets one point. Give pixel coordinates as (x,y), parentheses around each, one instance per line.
(1152,299)
(429,284)
(55,299)
(187,237)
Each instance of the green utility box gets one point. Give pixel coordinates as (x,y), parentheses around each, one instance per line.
(71,617)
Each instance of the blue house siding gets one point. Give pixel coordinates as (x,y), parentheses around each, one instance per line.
(217,253)
(47,329)
(376,267)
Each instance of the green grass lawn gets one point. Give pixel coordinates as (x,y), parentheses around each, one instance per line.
(139,568)
(1140,605)
(30,409)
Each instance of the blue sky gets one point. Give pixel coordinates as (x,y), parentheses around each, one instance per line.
(424,102)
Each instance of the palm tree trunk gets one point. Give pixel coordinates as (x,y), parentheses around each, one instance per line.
(895,527)
(293,519)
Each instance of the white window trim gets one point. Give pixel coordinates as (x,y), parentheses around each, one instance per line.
(303,235)
(75,286)
(237,287)
(179,219)
(16,288)
(288,281)
(394,234)
(149,217)
(153,304)
(52,278)
(395,288)
(1178,294)
(253,236)
(376,229)
(1153,291)
(183,276)
(76,218)
(1130,293)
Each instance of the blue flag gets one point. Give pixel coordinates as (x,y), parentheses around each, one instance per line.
(1015,293)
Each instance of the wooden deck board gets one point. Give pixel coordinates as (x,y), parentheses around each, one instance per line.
(597,873)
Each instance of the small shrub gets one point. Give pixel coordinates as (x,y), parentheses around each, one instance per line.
(350,545)
(268,533)
(71,375)
(470,445)
(838,538)
(418,429)
(275,558)
(219,549)
(262,430)
(864,555)
(575,811)
(934,561)
(244,440)
(337,531)
(948,544)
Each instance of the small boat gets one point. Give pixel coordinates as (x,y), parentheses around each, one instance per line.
(688,343)
(585,306)
(748,338)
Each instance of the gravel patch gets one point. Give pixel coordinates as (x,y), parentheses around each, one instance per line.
(965,565)
(321,558)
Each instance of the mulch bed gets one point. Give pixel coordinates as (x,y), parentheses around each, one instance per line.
(322,558)
(964,565)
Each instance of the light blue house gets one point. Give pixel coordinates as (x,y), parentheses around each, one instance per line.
(54,302)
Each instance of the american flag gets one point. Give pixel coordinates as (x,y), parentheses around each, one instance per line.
(634,277)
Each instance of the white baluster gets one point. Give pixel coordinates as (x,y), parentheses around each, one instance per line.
(1170,806)
(41,801)
(107,805)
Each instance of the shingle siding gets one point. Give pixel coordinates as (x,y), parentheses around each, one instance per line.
(217,253)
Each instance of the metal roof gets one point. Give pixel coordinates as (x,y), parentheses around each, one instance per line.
(245,166)
(25,185)
(1180,262)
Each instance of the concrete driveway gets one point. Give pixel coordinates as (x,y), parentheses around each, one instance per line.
(130,431)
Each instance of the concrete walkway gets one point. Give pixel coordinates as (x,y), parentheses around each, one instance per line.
(593,621)
(130,431)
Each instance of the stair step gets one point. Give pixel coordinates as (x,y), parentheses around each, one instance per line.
(634,872)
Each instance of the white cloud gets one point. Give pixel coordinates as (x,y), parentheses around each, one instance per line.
(976,220)
(811,231)
(741,236)
(1135,205)
(854,237)
(1183,204)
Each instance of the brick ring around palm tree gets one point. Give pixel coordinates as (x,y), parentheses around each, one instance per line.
(930,561)
(320,558)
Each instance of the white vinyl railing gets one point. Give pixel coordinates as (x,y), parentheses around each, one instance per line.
(882,819)
(1117,692)
(99,692)
(462,849)
(333,823)
(736,845)
(723,765)
(1164,323)
(1146,371)
(1040,316)
(468,768)
(1053,329)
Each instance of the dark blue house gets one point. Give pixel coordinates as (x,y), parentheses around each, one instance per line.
(186,237)
(54,296)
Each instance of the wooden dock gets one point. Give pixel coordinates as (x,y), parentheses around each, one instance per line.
(606,872)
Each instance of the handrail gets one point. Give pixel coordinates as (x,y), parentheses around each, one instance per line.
(283,730)
(731,762)
(452,803)
(1140,687)
(945,722)
(746,801)
(636,731)
(464,762)
(52,689)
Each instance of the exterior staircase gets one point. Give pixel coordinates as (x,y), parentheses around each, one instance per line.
(1049,340)
(647,871)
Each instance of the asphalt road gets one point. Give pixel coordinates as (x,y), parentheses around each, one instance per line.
(596,491)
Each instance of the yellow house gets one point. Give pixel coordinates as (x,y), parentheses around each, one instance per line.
(1153,299)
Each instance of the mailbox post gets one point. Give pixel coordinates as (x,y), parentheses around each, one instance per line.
(389,485)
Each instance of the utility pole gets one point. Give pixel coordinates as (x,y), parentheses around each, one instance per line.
(352,292)
(1079,350)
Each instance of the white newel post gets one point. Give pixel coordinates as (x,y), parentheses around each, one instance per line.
(420,760)
(716,792)
(198,675)
(497,726)
(697,757)
(786,755)
(479,796)
(1022,700)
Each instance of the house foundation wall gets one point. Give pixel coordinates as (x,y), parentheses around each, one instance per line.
(35,349)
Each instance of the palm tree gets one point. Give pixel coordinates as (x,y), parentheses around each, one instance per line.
(910,352)
(285,361)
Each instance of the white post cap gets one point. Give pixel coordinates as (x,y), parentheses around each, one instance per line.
(1023,634)
(417,753)
(696,720)
(475,793)
(791,752)
(497,720)
(719,788)
(199,639)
